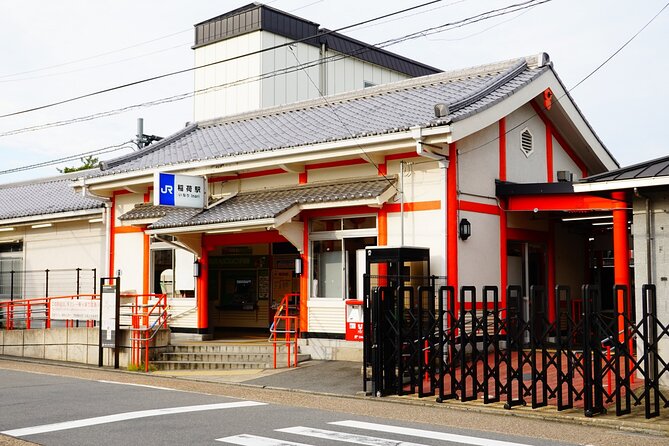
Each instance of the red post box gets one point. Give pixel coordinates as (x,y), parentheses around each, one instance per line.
(354,320)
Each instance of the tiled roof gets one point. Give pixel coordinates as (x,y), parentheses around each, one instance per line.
(146,210)
(648,169)
(264,204)
(42,197)
(379,110)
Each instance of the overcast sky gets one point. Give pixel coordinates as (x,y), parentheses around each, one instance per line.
(54,50)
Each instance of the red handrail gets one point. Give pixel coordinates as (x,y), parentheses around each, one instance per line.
(36,309)
(287,313)
(146,320)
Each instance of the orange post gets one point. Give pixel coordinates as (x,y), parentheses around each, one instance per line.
(621,271)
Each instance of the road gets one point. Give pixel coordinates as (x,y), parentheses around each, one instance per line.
(66,406)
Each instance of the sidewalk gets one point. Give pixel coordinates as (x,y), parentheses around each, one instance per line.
(344,379)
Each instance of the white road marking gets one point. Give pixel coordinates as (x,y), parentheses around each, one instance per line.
(345,437)
(103,381)
(125,416)
(254,440)
(463,439)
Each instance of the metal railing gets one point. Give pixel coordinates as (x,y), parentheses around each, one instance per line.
(21,285)
(148,315)
(36,313)
(286,328)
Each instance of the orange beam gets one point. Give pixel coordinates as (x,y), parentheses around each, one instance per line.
(127,229)
(480,208)
(414,206)
(563,202)
(243,238)
(526,235)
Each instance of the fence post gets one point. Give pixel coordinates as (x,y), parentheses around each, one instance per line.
(11,286)
(650,362)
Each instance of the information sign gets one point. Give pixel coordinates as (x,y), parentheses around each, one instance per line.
(178,190)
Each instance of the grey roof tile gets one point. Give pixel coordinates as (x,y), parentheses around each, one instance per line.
(378,110)
(42,197)
(648,169)
(271,203)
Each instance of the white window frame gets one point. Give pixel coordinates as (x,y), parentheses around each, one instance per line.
(340,234)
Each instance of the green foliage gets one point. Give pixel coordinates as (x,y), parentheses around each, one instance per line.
(88,162)
(141,367)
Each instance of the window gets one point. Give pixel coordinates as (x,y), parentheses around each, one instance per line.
(337,255)
(11,270)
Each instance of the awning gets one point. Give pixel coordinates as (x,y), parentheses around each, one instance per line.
(266,209)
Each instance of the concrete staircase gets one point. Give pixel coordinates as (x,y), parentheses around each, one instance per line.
(223,356)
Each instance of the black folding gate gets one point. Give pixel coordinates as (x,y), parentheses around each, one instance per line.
(423,338)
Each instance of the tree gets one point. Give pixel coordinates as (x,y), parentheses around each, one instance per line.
(88,162)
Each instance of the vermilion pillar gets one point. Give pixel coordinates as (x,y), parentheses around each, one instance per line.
(452,218)
(203,291)
(621,264)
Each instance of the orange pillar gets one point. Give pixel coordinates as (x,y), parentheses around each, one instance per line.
(203,290)
(304,278)
(452,218)
(621,264)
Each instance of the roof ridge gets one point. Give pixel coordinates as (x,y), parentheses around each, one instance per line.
(446,76)
(70,176)
(105,165)
(489,86)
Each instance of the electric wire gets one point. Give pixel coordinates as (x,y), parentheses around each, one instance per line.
(187,70)
(422,33)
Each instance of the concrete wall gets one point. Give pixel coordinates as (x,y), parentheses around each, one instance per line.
(659,260)
(77,344)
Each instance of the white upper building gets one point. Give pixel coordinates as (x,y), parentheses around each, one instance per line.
(257,57)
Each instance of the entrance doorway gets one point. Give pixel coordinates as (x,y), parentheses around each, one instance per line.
(527,267)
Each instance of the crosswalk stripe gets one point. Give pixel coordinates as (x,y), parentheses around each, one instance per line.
(345,437)
(124,417)
(254,440)
(455,438)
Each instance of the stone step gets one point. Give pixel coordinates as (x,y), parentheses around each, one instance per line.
(216,356)
(223,365)
(227,348)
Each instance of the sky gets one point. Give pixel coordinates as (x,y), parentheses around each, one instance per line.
(53,51)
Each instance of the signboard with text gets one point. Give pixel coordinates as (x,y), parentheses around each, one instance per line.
(75,310)
(178,190)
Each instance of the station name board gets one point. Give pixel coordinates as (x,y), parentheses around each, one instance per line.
(178,190)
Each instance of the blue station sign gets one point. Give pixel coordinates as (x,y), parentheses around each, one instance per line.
(178,190)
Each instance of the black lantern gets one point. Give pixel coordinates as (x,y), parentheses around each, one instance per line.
(465,229)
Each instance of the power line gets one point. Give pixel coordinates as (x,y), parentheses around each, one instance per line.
(96,56)
(422,33)
(187,70)
(108,149)
(567,91)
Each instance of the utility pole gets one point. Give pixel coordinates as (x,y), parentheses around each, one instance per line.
(142,139)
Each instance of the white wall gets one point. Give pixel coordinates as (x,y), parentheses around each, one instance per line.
(479,260)
(562,161)
(341,75)
(231,99)
(129,258)
(519,168)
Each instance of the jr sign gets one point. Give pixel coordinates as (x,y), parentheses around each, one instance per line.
(178,190)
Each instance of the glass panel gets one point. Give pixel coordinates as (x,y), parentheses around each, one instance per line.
(321,225)
(163,272)
(7,265)
(327,268)
(368,222)
(354,272)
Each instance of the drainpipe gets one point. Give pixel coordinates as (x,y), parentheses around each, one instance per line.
(429,151)
(649,237)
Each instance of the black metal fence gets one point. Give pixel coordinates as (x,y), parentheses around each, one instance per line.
(423,338)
